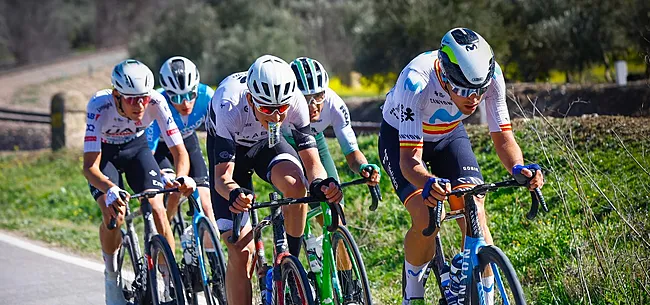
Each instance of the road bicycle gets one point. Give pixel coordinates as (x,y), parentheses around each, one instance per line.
(337,271)
(478,258)
(142,277)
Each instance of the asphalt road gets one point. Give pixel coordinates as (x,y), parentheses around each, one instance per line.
(30,274)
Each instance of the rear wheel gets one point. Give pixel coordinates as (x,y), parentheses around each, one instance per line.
(165,279)
(350,269)
(506,287)
(214,264)
(295,288)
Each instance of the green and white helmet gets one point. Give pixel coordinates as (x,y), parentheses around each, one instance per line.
(310,74)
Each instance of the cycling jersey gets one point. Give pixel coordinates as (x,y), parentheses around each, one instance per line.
(422,110)
(237,124)
(186,124)
(334,113)
(105,125)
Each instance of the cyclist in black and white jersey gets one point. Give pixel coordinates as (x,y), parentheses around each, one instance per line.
(114,144)
(422,129)
(244,136)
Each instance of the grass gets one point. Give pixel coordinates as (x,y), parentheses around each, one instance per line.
(591,248)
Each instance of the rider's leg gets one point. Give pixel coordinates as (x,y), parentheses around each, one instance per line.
(172,204)
(287,176)
(238,270)
(206,203)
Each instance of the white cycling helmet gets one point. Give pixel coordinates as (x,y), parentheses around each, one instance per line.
(179,75)
(132,77)
(466,58)
(271,81)
(310,75)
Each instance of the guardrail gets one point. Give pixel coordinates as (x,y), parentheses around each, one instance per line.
(24,116)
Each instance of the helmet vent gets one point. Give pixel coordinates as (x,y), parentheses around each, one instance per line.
(286,88)
(257,90)
(171,82)
(162,80)
(277,90)
(464,36)
(265,87)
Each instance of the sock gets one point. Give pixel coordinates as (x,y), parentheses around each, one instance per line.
(414,286)
(110,262)
(295,243)
(488,289)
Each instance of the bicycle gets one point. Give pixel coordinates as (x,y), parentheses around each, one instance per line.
(477,255)
(291,285)
(356,287)
(198,274)
(140,284)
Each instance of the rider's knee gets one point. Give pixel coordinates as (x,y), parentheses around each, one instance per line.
(240,256)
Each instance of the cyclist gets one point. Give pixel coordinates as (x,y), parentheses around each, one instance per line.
(249,106)
(181,87)
(326,108)
(422,125)
(113,143)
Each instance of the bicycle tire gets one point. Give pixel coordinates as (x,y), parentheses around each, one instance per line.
(495,257)
(293,276)
(158,246)
(361,295)
(133,291)
(214,265)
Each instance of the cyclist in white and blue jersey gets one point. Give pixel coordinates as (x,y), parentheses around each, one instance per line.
(181,87)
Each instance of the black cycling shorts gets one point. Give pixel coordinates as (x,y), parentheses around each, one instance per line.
(259,158)
(451,158)
(135,160)
(198,170)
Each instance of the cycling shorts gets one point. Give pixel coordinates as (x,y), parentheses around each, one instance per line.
(198,170)
(451,158)
(259,158)
(132,158)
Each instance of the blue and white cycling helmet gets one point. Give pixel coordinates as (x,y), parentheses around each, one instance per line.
(180,78)
(466,58)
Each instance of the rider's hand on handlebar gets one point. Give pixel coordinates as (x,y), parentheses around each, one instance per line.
(366,169)
(241,199)
(328,190)
(524,173)
(114,199)
(186,185)
(436,189)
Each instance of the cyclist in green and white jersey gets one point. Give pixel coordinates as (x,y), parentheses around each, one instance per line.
(326,108)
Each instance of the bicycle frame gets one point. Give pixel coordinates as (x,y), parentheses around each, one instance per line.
(197,208)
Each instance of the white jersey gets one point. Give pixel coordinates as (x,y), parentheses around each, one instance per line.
(336,114)
(105,125)
(237,122)
(422,110)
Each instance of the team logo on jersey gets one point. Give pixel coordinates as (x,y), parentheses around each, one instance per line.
(90,127)
(169,120)
(119,132)
(444,116)
(152,173)
(225,155)
(346,115)
(407,114)
(90,139)
(157,183)
(103,107)
(172,131)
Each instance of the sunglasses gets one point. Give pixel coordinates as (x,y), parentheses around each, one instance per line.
(465,92)
(179,98)
(269,110)
(316,99)
(134,100)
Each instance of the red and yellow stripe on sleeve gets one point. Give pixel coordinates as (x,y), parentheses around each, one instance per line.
(411,144)
(505,127)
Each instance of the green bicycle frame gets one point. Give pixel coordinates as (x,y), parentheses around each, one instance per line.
(327,281)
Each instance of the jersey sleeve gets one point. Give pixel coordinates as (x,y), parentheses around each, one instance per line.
(92,138)
(221,111)
(153,135)
(408,94)
(341,124)
(299,118)
(498,117)
(168,128)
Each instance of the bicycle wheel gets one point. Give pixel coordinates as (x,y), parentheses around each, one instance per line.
(350,269)
(506,287)
(165,279)
(213,264)
(295,288)
(128,273)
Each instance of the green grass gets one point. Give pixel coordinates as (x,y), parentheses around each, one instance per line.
(592,248)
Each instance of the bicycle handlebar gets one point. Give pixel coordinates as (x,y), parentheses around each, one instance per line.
(336,209)
(435,214)
(146,194)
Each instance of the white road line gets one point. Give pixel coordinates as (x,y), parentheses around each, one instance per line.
(52,254)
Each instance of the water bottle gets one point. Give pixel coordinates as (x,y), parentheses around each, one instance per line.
(455,277)
(315,252)
(187,243)
(269,286)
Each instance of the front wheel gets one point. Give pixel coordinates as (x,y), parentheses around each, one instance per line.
(350,269)
(294,288)
(165,279)
(493,260)
(214,266)
(129,276)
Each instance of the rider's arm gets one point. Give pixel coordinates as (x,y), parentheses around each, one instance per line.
(507,149)
(93,146)
(172,137)
(344,133)
(181,160)
(92,172)
(308,152)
